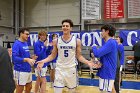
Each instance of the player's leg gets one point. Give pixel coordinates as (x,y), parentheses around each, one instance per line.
(43,80)
(59,82)
(19,88)
(51,74)
(106,85)
(28,85)
(20,80)
(37,84)
(43,85)
(71,79)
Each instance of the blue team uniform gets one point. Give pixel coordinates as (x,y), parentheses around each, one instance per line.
(40,50)
(121,49)
(108,57)
(20,50)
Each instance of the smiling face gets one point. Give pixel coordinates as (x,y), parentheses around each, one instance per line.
(42,37)
(24,35)
(66,28)
(104,33)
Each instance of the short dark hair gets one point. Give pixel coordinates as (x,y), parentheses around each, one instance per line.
(110,28)
(53,35)
(22,30)
(121,39)
(68,21)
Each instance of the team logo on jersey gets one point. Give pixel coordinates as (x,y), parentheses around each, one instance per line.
(66,47)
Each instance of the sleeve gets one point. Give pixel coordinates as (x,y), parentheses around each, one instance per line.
(122,55)
(49,49)
(16,54)
(107,48)
(37,50)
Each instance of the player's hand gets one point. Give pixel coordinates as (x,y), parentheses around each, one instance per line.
(34,57)
(97,64)
(90,64)
(40,64)
(31,61)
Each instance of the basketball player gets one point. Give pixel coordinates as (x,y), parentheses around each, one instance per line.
(118,79)
(108,58)
(40,49)
(68,48)
(22,62)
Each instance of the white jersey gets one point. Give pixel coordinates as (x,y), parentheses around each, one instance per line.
(66,53)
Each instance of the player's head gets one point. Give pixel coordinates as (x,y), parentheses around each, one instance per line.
(67,25)
(108,30)
(119,39)
(54,36)
(42,35)
(24,34)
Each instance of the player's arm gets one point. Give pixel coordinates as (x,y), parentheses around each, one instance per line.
(50,57)
(79,56)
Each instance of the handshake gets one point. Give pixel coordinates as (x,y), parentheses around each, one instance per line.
(96,62)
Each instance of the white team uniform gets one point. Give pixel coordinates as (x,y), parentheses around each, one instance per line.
(66,74)
(22,78)
(42,72)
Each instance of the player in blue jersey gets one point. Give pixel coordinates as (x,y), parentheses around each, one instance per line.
(22,62)
(40,49)
(68,48)
(108,58)
(53,63)
(121,51)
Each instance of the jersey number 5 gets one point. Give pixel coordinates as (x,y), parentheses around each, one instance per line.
(66,53)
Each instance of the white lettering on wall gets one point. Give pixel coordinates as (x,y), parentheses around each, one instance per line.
(129,37)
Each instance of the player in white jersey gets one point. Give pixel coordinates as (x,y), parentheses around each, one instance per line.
(68,48)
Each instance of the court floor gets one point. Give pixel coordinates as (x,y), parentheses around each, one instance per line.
(86,89)
(90,89)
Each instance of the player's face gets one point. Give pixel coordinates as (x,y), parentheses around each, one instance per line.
(104,33)
(43,37)
(66,28)
(118,39)
(25,35)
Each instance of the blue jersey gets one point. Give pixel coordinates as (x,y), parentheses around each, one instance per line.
(40,51)
(121,49)
(108,57)
(20,50)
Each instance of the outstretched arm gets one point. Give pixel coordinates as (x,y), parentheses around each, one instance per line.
(50,57)
(80,56)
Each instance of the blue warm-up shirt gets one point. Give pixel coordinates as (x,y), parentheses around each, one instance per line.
(121,49)
(40,50)
(108,57)
(20,50)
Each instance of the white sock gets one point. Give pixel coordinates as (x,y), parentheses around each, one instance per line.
(58,90)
